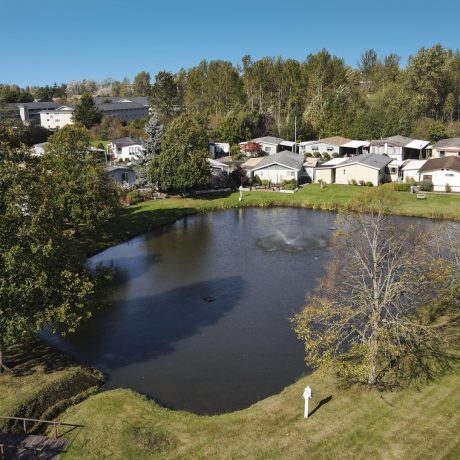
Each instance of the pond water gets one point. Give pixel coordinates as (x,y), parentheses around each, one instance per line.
(201,308)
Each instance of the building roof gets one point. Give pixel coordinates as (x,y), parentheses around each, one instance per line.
(111,168)
(141,100)
(217,164)
(452,142)
(252,163)
(399,141)
(356,144)
(312,162)
(119,106)
(417,144)
(413,165)
(284,158)
(433,164)
(288,143)
(370,160)
(397,163)
(334,140)
(35,105)
(268,140)
(126,141)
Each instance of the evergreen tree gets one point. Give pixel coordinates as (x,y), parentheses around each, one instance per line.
(154,131)
(86,112)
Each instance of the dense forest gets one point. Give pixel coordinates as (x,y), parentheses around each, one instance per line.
(378,98)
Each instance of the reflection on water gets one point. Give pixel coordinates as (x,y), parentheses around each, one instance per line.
(162,338)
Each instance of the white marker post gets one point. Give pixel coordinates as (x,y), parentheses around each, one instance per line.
(241,193)
(307,395)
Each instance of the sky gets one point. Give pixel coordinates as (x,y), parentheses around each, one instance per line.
(48,41)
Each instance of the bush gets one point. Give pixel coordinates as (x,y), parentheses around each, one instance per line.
(290,184)
(426,186)
(133,197)
(352,182)
(308,155)
(448,188)
(265,182)
(256,180)
(317,155)
(361,182)
(326,156)
(399,187)
(369,184)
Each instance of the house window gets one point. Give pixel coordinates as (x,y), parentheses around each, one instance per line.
(427,177)
(292,173)
(329,148)
(315,147)
(393,170)
(449,175)
(442,153)
(268,149)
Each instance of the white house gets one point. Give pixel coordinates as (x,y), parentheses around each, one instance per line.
(121,175)
(57,118)
(309,166)
(279,167)
(446,148)
(268,144)
(366,168)
(442,171)
(218,149)
(126,148)
(411,170)
(399,147)
(329,145)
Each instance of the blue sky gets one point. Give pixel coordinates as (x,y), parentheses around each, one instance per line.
(47,41)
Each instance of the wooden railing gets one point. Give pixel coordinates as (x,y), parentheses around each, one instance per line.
(35,420)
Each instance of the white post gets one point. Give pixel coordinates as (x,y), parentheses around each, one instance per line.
(241,193)
(307,395)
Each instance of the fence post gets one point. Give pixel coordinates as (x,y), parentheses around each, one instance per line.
(24,424)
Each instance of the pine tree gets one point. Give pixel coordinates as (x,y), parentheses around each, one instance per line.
(154,131)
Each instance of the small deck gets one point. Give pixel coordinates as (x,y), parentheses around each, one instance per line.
(33,447)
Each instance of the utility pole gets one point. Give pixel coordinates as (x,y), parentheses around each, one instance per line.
(295,133)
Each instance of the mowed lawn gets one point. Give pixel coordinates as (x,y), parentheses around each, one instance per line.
(356,423)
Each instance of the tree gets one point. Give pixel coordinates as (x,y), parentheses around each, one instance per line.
(82,189)
(44,278)
(142,84)
(254,149)
(154,132)
(164,96)
(437,131)
(183,161)
(365,318)
(86,112)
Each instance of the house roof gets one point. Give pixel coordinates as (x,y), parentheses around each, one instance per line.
(370,160)
(284,158)
(111,168)
(35,105)
(311,162)
(252,163)
(99,100)
(126,141)
(334,140)
(452,142)
(119,106)
(417,144)
(356,144)
(268,140)
(287,143)
(434,164)
(217,164)
(399,141)
(397,163)
(413,165)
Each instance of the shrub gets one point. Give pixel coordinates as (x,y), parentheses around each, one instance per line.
(290,184)
(133,197)
(399,187)
(426,186)
(308,155)
(317,155)
(334,155)
(353,182)
(448,188)
(362,183)
(326,156)
(369,184)
(256,180)
(265,182)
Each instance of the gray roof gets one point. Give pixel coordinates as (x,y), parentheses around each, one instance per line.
(447,163)
(399,141)
(372,160)
(269,140)
(368,159)
(111,168)
(452,142)
(35,105)
(119,106)
(126,141)
(285,158)
(141,100)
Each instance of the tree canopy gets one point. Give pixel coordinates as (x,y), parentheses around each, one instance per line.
(86,112)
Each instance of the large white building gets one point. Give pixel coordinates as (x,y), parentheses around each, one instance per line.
(57,118)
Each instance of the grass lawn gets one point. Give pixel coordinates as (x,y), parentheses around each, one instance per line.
(355,424)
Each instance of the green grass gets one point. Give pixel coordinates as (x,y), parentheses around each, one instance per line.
(356,423)
(96,142)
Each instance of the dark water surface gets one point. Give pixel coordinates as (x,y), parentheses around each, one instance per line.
(161,338)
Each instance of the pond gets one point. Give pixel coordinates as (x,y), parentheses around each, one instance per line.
(200,313)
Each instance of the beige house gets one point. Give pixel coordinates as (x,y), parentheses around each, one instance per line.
(57,118)
(279,167)
(446,148)
(361,168)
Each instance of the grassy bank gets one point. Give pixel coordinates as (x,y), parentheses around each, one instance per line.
(138,219)
(353,424)
(42,381)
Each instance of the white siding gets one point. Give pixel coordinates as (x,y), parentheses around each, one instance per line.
(276,174)
(442,177)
